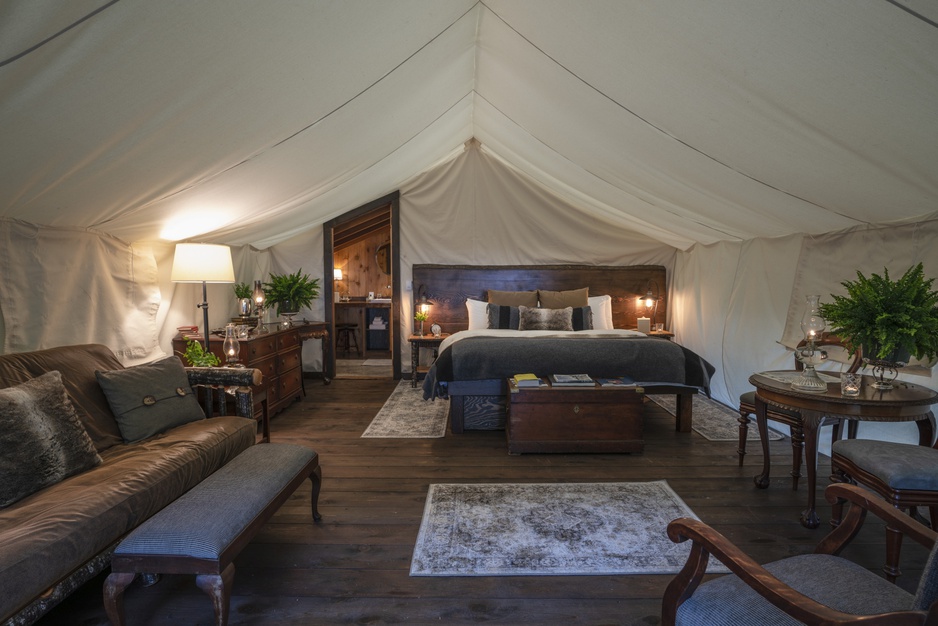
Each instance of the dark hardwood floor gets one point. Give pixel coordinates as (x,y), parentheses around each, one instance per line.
(352,567)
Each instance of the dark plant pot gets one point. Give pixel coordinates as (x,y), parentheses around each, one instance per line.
(899,355)
(287,307)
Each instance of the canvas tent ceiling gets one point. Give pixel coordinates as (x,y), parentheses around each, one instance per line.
(247,123)
(755,148)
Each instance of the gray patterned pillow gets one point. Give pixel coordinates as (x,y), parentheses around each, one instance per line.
(545,319)
(503,317)
(41,438)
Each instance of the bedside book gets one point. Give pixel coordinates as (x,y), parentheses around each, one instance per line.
(526,380)
(619,381)
(571,380)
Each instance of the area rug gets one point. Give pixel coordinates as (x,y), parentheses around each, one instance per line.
(550,529)
(406,415)
(714,421)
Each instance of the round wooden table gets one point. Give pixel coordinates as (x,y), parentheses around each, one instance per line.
(906,402)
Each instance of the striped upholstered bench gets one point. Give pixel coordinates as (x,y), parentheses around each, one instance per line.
(202,532)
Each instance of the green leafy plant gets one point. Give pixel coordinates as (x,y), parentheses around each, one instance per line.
(884,315)
(291,292)
(196,355)
(421,316)
(243,290)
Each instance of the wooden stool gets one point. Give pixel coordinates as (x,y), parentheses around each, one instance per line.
(203,531)
(345,336)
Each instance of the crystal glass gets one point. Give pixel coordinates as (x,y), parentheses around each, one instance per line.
(850,384)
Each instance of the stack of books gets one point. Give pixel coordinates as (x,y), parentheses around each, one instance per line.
(571,380)
(526,380)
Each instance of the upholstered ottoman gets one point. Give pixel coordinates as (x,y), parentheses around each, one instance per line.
(202,532)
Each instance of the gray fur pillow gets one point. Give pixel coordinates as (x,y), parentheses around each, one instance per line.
(42,440)
(545,319)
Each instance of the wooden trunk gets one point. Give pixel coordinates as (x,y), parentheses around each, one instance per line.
(574,419)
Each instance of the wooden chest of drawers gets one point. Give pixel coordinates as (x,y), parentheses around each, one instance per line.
(277,355)
(574,419)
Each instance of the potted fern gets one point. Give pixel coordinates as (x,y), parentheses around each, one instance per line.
(290,292)
(888,319)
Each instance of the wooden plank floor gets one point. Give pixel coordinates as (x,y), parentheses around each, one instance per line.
(352,568)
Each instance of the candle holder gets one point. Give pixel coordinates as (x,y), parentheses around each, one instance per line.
(232,347)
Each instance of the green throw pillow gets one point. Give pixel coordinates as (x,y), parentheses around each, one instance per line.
(41,438)
(150,399)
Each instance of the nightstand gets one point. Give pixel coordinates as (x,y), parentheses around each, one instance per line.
(422,341)
(661,334)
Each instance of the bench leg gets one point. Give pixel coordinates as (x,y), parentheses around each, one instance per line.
(114,587)
(316,479)
(218,587)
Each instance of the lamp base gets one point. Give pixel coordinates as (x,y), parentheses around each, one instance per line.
(809,381)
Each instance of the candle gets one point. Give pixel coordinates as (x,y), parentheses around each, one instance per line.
(644,325)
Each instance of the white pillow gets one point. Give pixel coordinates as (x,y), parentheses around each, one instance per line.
(478,314)
(601,306)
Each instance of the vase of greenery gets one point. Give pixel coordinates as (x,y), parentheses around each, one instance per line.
(421,317)
(290,292)
(889,320)
(243,294)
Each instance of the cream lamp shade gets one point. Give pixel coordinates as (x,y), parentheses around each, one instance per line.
(202,263)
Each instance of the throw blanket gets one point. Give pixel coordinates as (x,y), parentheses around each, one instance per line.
(647,360)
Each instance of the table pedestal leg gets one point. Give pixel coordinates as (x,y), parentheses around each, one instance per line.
(811,421)
(762,480)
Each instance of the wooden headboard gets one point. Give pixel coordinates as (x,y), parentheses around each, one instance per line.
(448,286)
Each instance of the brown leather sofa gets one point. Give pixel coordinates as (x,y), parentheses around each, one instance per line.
(56,539)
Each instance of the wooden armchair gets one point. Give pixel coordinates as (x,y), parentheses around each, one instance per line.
(819,588)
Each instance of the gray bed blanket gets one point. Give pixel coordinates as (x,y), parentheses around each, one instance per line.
(644,359)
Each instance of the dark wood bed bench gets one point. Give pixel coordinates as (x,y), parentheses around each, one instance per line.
(482,404)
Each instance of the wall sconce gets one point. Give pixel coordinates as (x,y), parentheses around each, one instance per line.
(202,263)
(648,305)
(422,307)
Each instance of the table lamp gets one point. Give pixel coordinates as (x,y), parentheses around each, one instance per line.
(202,263)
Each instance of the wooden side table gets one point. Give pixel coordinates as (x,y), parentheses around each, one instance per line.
(422,341)
(907,402)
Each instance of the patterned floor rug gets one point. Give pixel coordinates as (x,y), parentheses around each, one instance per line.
(714,421)
(550,529)
(406,415)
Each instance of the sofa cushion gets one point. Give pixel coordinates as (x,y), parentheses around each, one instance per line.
(150,399)
(47,535)
(42,439)
(77,365)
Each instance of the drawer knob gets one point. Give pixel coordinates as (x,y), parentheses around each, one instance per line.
(576,408)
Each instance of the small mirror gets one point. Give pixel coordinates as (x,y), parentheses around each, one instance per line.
(383,258)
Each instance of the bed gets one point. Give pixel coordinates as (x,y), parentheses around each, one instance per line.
(474,362)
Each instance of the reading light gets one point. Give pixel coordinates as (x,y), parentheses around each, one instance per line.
(202,263)
(337,274)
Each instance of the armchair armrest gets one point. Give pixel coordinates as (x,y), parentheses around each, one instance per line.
(218,378)
(863,501)
(707,541)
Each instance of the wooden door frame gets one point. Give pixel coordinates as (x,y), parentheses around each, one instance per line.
(328,228)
